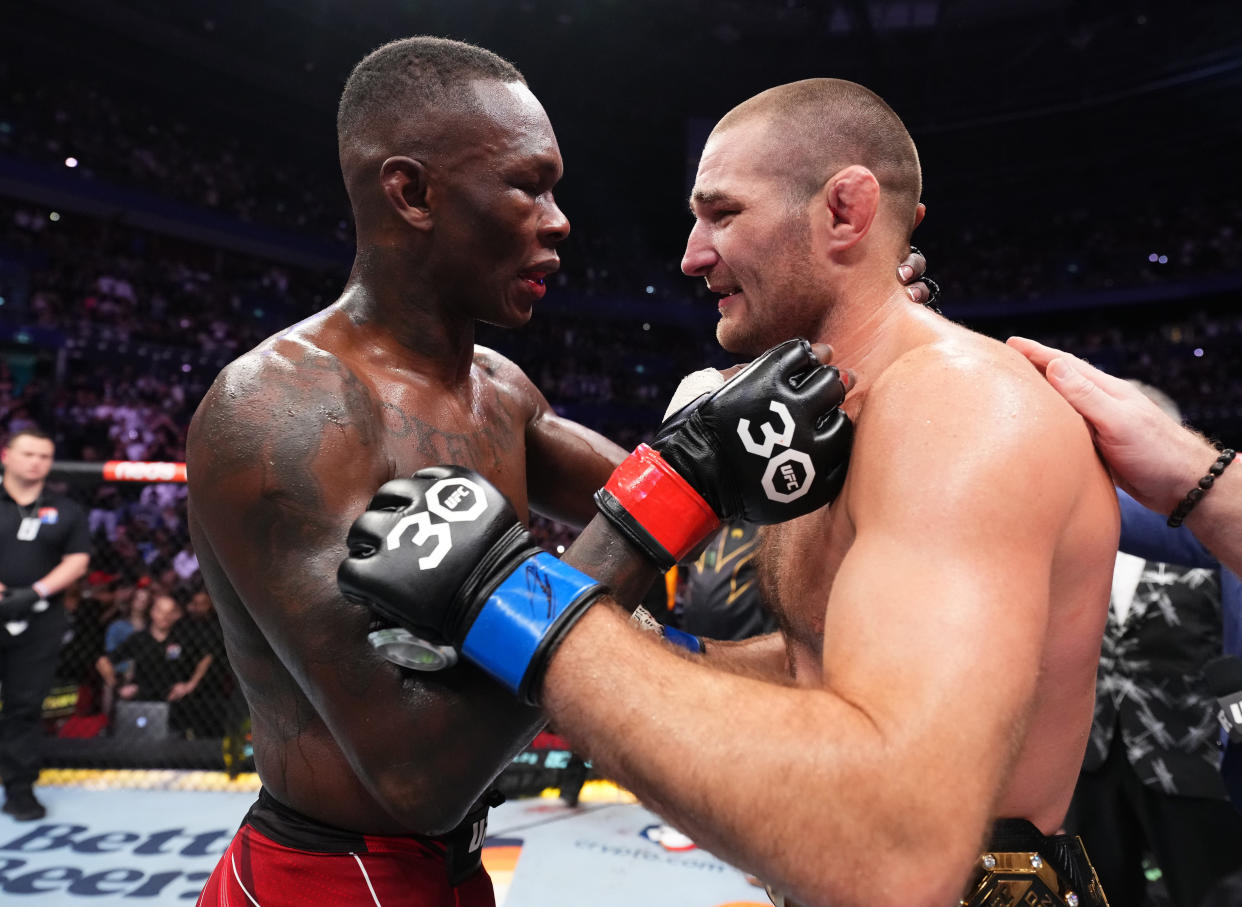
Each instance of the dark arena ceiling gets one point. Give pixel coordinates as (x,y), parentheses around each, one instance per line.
(1023,101)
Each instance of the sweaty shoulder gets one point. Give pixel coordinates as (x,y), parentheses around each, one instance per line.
(286,399)
(950,419)
(503,376)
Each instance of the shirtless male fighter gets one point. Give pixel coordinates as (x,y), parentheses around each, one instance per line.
(375,778)
(914,733)
(450,162)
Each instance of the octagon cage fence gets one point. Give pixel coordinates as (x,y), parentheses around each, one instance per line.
(89,724)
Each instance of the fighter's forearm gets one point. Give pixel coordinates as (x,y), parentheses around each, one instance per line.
(761,657)
(727,751)
(615,562)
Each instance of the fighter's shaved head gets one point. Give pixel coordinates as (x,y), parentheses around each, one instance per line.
(819,126)
(393,88)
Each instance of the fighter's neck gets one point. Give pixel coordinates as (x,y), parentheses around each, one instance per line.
(870,334)
(413,336)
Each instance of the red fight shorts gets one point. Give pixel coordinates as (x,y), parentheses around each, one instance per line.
(378,871)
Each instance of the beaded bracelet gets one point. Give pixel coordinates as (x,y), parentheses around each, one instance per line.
(1196,494)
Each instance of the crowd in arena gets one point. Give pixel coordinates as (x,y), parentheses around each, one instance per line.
(112,333)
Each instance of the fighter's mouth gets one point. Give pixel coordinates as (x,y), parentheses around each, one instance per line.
(539,273)
(725,292)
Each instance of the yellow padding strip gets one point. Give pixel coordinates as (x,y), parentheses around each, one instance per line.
(140,779)
(597,791)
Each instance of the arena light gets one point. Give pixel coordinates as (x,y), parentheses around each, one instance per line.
(646,325)
(54,216)
(1153,258)
(650,290)
(71,162)
(1198,352)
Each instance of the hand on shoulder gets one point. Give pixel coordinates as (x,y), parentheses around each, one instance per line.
(1150,455)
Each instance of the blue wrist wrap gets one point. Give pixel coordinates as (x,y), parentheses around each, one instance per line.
(687,641)
(524,613)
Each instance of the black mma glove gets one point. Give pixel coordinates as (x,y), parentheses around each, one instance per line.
(443,555)
(768,446)
(19,603)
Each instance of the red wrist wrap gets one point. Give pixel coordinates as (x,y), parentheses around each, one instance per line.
(661,501)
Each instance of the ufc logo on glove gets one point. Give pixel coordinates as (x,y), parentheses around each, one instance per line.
(454,501)
(706,464)
(443,556)
(797,472)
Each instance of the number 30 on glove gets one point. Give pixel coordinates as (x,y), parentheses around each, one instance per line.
(443,556)
(768,446)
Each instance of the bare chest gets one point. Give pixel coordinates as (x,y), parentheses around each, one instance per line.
(798,563)
(487,434)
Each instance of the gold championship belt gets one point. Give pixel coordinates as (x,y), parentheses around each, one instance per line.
(1026,869)
(1026,879)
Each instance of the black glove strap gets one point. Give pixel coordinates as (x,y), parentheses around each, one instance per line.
(634,531)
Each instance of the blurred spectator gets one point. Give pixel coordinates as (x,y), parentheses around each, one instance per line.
(199,631)
(164,664)
(131,614)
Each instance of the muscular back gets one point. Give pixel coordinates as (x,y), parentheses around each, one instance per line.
(284,452)
(970,550)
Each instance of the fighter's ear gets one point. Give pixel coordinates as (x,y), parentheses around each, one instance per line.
(405,180)
(852,198)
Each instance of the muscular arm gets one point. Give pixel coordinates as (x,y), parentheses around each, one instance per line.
(876,787)
(281,459)
(761,657)
(565,464)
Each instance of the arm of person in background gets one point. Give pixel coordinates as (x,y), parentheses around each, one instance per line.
(106,666)
(107,671)
(18,601)
(71,568)
(1231,608)
(1147,534)
(190,684)
(1151,456)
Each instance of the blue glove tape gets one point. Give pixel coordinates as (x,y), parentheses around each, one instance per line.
(687,641)
(517,616)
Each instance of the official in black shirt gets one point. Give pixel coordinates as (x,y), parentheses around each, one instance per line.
(44,547)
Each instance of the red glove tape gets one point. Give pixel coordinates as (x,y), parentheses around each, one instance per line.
(661,501)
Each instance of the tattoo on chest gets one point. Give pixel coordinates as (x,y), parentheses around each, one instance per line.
(485,448)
